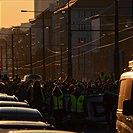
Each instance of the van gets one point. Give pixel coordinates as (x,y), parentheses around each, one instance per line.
(124,114)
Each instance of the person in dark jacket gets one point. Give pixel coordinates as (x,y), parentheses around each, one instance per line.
(36,96)
(57,106)
(110,100)
(21,93)
(5,78)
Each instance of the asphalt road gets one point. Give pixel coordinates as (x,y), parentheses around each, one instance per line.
(95,129)
(102,130)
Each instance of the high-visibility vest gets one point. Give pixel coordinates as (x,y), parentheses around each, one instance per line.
(102,77)
(77,104)
(32,95)
(58,102)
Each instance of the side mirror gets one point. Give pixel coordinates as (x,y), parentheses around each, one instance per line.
(128,107)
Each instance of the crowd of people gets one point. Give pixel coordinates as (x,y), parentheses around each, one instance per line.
(58,99)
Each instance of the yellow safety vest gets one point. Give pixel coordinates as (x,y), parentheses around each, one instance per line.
(77,104)
(58,102)
(102,77)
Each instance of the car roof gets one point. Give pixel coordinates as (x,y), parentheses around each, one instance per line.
(5,97)
(127,75)
(6,126)
(8,122)
(13,103)
(40,131)
(20,113)
(11,123)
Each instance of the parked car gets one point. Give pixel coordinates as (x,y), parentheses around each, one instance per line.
(5,97)
(124,122)
(14,104)
(20,113)
(6,126)
(40,131)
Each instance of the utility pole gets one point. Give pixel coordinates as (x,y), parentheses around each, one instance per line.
(84,64)
(12,57)
(43,43)
(116,54)
(61,63)
(1,57)
(78,63)
(69,45)
(6,57)
(31,69)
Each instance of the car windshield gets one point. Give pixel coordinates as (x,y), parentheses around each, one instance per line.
(20,113)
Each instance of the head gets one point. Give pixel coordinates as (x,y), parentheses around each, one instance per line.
(5,75)
(77,90)
(20,86)
(36,84)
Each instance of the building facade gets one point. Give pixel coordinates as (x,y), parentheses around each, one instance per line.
(91,27)
(88,35)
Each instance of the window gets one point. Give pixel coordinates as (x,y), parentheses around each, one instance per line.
(81,40)
(132,91)
(125,91)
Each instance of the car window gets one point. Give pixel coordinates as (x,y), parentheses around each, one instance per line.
(29,115)
(125,91)
(132,91)
(13,103)
(8,98)
(20,113)
(7,114)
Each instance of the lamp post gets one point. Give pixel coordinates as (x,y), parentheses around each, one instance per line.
(12,56)
(116,55)
(69,45)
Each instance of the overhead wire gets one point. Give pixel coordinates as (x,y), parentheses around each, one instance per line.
(86,52)
(102,37)
(98,47)
(57,54)
(103,46)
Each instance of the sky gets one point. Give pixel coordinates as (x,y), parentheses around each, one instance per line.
(11,15)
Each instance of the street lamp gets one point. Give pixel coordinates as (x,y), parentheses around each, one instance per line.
(43,42)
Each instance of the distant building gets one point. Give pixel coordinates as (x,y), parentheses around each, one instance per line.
(92,37)
(41,5)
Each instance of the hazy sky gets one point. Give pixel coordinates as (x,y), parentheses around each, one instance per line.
(10,12)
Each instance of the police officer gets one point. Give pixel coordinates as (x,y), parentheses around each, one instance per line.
(77,107)
(102,77)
